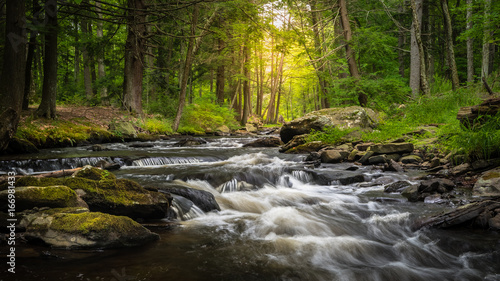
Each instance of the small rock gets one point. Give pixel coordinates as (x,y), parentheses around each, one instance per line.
(366,156)
(460,169)
(396,186)
(410,159)
(377,159)
(332,156)
(494,223)
(394,166)
(411,193)
(488,184)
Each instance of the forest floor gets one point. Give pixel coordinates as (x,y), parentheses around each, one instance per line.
(100,116)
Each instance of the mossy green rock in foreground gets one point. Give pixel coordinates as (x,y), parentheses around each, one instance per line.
(77,228)
(29,197)
(113,196)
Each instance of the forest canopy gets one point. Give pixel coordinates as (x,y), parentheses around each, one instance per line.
(248,58)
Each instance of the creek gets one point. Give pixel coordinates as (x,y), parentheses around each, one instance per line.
(280,220)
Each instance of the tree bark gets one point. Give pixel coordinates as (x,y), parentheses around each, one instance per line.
(485,69)
(47,106)
(134,57)
(220,76)
(247,103)
(101,67)
(349,52)
(450,53)
(414,48)
(470,45)
(13,70)
(416,28)
(29,59)
(186,70)
(87,76)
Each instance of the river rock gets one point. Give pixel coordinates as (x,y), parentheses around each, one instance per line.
(366,156)
(348,117)
(190,141)
(251,128)
(438,185)
(411,159)
(77,228)
(113,196)
(29,197)
(394,166)
(377,159)
(391,148)
(296,141)
(488,184)
(94,173)
(333,156)
(307,147)
(223,131)
(20,146)
(265,142)
(123,129)
(203,199)
(396,186)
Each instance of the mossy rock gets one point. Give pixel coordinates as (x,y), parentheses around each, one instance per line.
(123,129)
(74,229)
(93,173)
(112,196)
(29,197)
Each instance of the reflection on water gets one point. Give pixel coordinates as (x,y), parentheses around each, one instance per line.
(278,222)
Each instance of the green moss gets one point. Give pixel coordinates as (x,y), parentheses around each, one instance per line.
(93,173)
(93,222)
(33,181)
(492,175)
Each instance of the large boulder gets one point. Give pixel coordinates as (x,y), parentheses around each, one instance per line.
(488,184)
(265,142)
(77,228)
(113,196)
(391,148)
(345,118)
(29,197)
(123,129)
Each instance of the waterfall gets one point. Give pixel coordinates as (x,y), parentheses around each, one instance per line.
(157,161)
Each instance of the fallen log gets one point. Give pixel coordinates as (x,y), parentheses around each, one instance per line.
(466,215)
(55,174)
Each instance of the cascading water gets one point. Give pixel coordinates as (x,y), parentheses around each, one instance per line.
(280,220)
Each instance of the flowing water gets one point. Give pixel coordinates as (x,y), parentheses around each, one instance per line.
(280,220)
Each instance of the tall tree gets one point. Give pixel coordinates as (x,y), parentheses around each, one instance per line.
(87,63)
(450,52)
(101,68)
(470,45)
(12,76)
(187,68)
(415,57)
(418,38)
(485,64)
(134,56)
(349,52)
(47,106)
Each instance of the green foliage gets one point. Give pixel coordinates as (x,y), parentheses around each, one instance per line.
(203,116)
(480,141)
(157,126)
(332,135)
(383,93)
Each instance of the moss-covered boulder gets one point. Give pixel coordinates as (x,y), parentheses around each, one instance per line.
(488,184)
(113,196)
(123,129)
(345,118)
(77,228)
(29,197)
(93,173)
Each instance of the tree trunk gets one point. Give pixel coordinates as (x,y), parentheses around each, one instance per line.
(87,76)
(220,76)
(77,53)
(134,57)
(449,46)
(416,28)
(414,49)
(401,43)
(485,69)
(47,106)
(29,59)
(246,104)
(470,45)
(187,68)
(13,70)
(349,52)
(101,68)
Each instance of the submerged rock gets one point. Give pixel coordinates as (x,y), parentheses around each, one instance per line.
(265,142)
(203,199)
(190,141)
(77,228)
